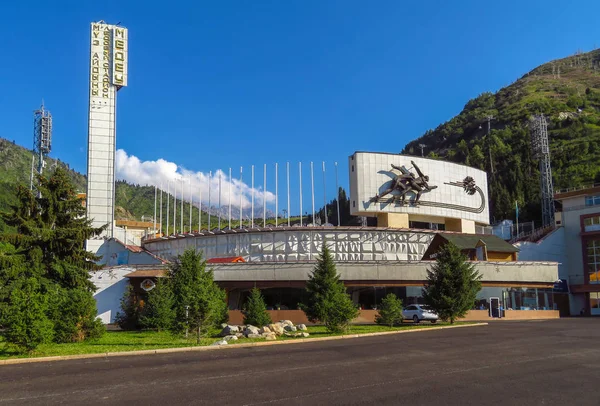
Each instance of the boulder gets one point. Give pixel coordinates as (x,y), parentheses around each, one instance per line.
(264,330)
(286,322)
(250,330)
(301,327)
(255,336)
(223,325)
(303,334)
(229,330)
(289,328)
(276,328)
(239,335)
(270,337)
(230,338)
(220,342)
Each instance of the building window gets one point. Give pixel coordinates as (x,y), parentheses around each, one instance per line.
(591,224)
(593,260)
(592,200)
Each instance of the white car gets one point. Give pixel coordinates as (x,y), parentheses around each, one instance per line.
(419,312)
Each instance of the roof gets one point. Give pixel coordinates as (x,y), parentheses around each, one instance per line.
(225,260)
(147,273)
(470,241)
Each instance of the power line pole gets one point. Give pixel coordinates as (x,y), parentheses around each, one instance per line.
(489,140)
(422,146)
(541,151)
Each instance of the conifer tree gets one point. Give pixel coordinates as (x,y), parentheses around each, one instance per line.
(199,303)
(327,301)
(49,240)
(158,312)
(452,284)
(255,310)
(389,311)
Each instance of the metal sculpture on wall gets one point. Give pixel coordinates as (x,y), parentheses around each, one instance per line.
(407,182)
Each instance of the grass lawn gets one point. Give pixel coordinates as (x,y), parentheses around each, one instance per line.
(117,341)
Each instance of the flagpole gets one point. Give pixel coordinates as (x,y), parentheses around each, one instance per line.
(209,208)
(161,205)
(168,200)
(276,195)
(230,181)
(288,192)
(252,221)
(265,196)
(200,207)
(191,203)
(154,218)
(300,172)
(517,215)
(220,173)
(312,191)
(241,197)
(182,230)
(337,190)
(175,206)
(325,195)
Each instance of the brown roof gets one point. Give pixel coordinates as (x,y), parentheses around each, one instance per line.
(225,260)
(147,273)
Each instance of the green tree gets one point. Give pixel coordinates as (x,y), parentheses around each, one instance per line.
(49,233)
(389,311)
(130,315)
(25,315)
(327,300)
(452,284)
(255,310)
(200,304)
(158,311)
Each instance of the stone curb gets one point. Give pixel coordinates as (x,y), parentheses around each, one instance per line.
(222,347)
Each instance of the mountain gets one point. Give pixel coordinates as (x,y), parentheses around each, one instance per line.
(567,92)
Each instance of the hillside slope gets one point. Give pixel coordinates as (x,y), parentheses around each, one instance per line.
(567,91)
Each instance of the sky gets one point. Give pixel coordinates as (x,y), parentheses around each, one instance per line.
(214,85)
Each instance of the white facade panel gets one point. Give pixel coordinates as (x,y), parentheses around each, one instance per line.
(456,191)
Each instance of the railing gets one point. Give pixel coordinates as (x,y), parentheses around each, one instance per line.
(576,188)
(580,207)
(534,235)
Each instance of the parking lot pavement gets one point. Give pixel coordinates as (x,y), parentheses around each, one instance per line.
(529,362)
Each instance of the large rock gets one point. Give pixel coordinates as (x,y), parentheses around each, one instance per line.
(255,336)
(229,330)
(220,342)
(303,334)
(251,330)
(289,328)
(230,338)
(276,328)
(301,327)
(270,336)
(264,330)
(286,322)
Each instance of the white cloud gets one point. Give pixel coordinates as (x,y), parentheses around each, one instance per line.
(160,172)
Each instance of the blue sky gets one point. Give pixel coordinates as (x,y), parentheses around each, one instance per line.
(214,85)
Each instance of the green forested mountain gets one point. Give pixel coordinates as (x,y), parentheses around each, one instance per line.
(567,92)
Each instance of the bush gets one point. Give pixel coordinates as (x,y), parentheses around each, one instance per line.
(158,312)
(255,311)
(75,316)
(389,311)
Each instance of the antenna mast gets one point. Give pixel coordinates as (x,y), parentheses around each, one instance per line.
(541,151)
(42,141)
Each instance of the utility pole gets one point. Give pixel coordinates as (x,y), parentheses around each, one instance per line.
(422,146)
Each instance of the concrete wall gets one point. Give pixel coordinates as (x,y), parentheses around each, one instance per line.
(371,174)
(111,284)
(550,248)
(300,244)
(113,253)
(496,272)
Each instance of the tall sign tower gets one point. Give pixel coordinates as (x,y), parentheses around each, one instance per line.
(108,74)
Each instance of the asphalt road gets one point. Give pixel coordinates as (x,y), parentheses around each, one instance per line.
(555,362)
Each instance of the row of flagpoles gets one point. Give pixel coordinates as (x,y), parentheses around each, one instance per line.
(158,199)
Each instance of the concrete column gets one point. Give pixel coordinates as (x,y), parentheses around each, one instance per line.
(392,220)
(460,225)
